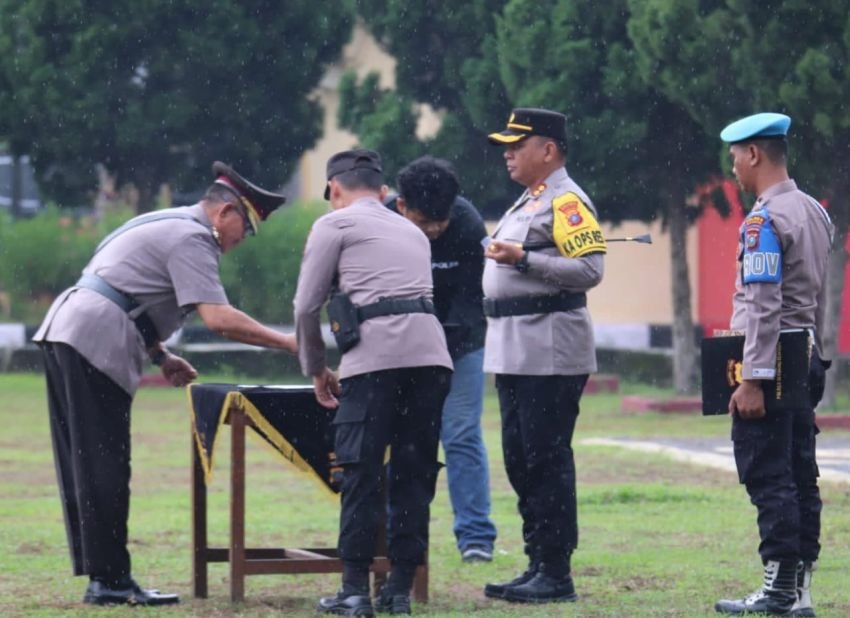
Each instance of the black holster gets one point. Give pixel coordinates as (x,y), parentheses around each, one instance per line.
(345,324)
(345,316)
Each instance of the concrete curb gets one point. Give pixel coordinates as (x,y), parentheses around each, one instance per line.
(833,460)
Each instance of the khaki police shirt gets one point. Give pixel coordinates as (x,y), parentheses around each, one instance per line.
(763,309)
(559,343)
(376,253)
(169,266)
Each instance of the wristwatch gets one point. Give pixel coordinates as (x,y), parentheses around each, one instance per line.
(158,357)
(522,264)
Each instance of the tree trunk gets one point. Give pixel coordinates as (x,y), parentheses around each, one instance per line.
(107,195)
(17,186)
(144,184)
(840,214)
(684,346)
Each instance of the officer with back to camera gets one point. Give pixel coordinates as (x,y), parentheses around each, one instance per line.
(394,375)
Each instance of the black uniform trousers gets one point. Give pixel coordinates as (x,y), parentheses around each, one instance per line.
(402,409)
(90,429)
(539,414)
(775,457)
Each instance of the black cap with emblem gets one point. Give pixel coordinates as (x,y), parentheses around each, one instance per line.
(525,121)
(257,203)
(350,160)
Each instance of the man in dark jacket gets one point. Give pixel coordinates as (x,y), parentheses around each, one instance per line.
(428,196)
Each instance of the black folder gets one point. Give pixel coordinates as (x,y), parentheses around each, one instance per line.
(721,372)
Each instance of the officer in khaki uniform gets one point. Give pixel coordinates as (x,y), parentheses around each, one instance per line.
(546,252)
(783,252)
(395,374)
(137,289)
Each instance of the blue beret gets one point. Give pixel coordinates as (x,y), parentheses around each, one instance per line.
(757,126)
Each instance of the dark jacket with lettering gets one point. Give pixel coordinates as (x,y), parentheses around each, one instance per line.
(457,263)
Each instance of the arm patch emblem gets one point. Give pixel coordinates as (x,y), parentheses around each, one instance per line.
(761,261)
(575,230)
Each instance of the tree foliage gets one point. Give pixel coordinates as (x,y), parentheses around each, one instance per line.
(809,80)
(445,59)
(725,60)
(157,89)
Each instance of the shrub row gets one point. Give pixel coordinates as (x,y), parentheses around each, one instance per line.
(41,256)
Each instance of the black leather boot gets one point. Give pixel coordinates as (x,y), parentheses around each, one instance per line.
(396,604)
(353,599)
(776,597)
(551,584)
(394,597)
(124,591)
(343,604)
(803,607)
(497,590)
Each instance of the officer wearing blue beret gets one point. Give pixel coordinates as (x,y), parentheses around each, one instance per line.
(783,251)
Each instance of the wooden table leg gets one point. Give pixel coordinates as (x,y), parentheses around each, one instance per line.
(420,582)
(199,522)
(263,561)
(237,503)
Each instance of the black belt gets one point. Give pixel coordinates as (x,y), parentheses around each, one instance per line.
(127,304)
(392,306)
(526,305)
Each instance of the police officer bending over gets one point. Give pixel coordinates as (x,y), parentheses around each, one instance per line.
(783,253)
(143,280)
(540,343)
(394,374)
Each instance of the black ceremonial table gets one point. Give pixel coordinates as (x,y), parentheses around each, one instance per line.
(299,430)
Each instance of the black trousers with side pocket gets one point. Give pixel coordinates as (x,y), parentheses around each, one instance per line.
(90,429)
(539,415)
(400,409)
(775,457)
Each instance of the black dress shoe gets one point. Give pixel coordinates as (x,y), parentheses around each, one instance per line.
(542,588)
(497,591)
(397,604)
(125,592)
(346,605)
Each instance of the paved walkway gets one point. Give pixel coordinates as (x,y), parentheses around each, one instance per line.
(833,453)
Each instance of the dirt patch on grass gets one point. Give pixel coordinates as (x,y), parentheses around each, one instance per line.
(639,584)
(30,549)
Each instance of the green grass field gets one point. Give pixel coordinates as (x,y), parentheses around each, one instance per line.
(658,538)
